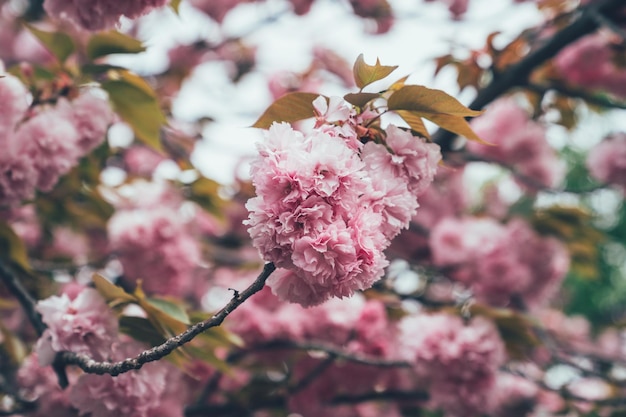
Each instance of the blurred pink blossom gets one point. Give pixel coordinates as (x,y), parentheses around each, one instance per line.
(99,14)
(502,264)
(459,360)
(589,63)
(156,246)
(607,161)
(519,142)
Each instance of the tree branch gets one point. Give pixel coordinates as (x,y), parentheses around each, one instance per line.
(89,365)
(28,303)
(330,350)
(595,99)
(517,75)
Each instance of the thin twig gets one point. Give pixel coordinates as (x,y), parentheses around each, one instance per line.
(89,365)
(311,376)
(330,350)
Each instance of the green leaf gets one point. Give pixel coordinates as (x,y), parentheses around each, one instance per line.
(218,336)
(360,99)
(289,108)
(209,356)
(100,68)
(164,316)
(170,308)
(111,292)
(12,248)
(365,74)
(414,121)
(59,44)
(426,100)
(113,42)
(205,192)
(141,329)
(138,105)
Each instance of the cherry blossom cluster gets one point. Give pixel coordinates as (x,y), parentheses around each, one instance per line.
(327,205)
(502,264)
(41,144)
(100,14)
(460,360)
(154,242)
(457,363)
(591,63)
(519,142)
(607,161)
(80,321)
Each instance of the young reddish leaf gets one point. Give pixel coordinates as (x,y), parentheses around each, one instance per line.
(398,84)
(365,74)
(59,44)
(138,108)
(414,121)
(12,248)
(455,124)
(426,100)
(289,108)
(113,42)
(436,106)
(360,99)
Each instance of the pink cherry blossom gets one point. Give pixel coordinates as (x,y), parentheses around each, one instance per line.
(390,194)
(132,394)
(84,324)
(40,383)
(518,141)
(607,161)
(13,105)
(590,63)
(100,14)
(500,262)
(456,7)
(18,178)
(324,211)
(91,116)
(156,246)
(418,158)
(307,216)
(514,395)
(217,9)
(142,160)
(459,360)
(50,143)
